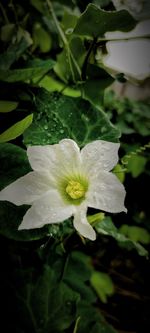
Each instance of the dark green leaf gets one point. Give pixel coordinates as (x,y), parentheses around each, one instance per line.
(37,303)
(36,68)
(12,54)
(106,227)
(91,320)
(94,22)
(77,273)
(59,117)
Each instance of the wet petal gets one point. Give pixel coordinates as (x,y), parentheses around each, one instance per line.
(106,193)
(26,189)
(50,208)
(57,158)
(98,155)
(82,225)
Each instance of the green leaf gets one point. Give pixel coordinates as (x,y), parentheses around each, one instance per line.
(91,320)
(13,162)
(36,68)
(8,106)
(93,90)
(39,5)
(51,85)
(14,131)
(94,87)
(102,284)
(7,31)
(136,234)
(102,21)
(41,38)
(77,273)
(37,302)
(12,54)
(119,171)
(106,227)
(65,68)
(136,165)
(59,117)
(68,23)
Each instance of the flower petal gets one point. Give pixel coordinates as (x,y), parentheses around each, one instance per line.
(142,29)
(106,193)
(57,158)
(32,220)
(131,57)
(82,225)
(100,154)
(50,208)
(26,189)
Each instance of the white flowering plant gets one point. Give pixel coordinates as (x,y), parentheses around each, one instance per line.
(70,156)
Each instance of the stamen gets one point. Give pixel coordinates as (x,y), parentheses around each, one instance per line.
(75,189)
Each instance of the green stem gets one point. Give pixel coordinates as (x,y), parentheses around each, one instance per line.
(76,325)
(65,41)
(4,13)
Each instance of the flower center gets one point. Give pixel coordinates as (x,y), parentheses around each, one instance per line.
(75,189)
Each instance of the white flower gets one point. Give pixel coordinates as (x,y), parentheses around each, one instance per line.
(65,182)
(128,53)
(135,7)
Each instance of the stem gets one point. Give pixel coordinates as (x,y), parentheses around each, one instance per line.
(76,325)
(65,41)
(4,13)
(84,67)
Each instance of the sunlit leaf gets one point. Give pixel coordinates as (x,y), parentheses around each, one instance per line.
(8,106)
(106,227)
(14,131)
(102,284)
(136,165)
(135,233)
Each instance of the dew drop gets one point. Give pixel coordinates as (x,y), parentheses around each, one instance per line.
(61,131)
(69,31)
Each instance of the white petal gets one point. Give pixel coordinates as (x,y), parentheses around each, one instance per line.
(82,225)
(106,193)
(142,29)
(51,205)
(48,209)
(26,189)
(130,57)
(57,158)
(98,155)
(41,158)
(32,220)
(137,8)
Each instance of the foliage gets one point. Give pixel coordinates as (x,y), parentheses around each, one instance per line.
(51,88)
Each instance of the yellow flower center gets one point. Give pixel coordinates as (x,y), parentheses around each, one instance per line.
(75,189)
